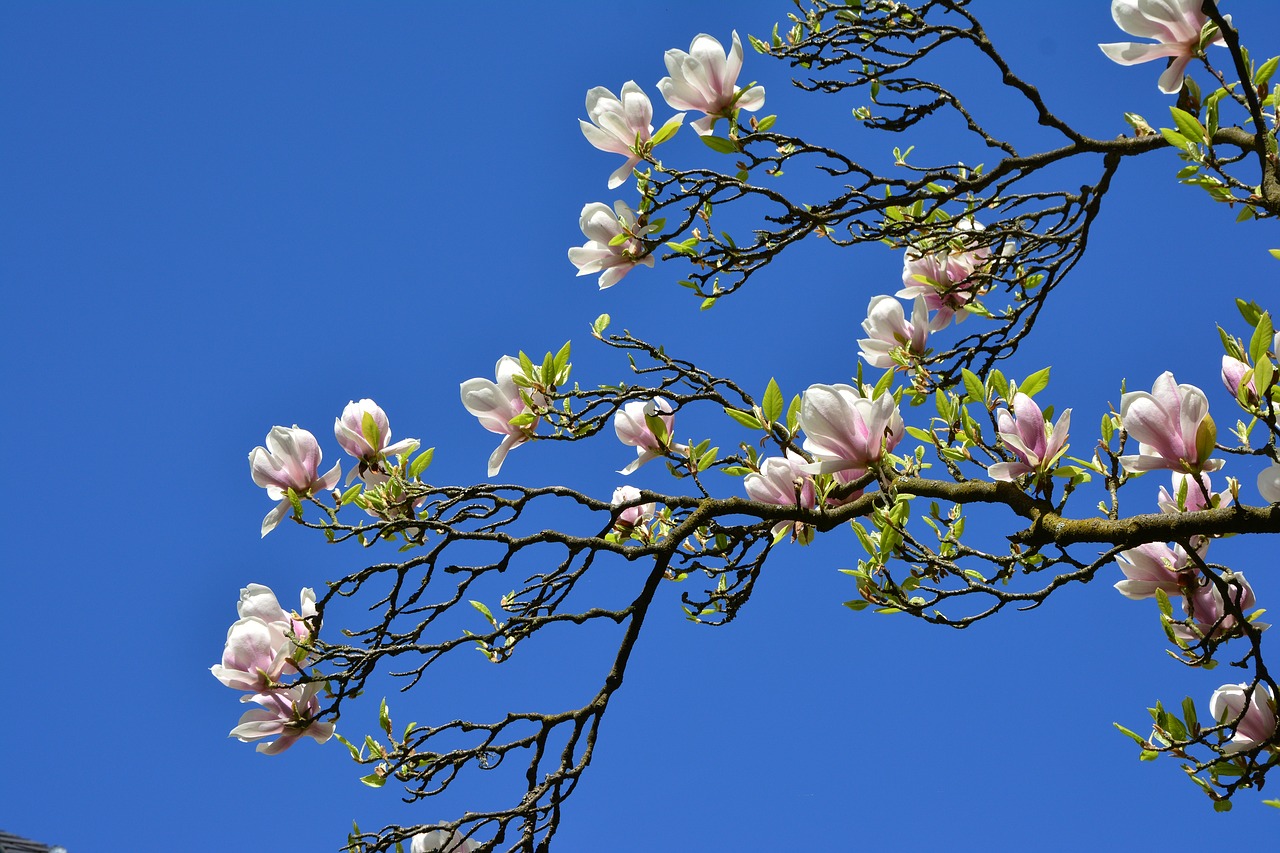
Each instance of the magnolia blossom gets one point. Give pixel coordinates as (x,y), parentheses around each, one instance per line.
(442,841)
(1155,566)
(263,644)
(638,425)
(286,715)
(254,657)
(781,481)
(364,432)
(600,254)
(495,404)
(845,430)
(1188,495)
(620,124)
(1207,611)
(1269,484)
(1174,24)
(1255,723)
(632,515)
(705,79)
(946,277)
(289,462)
(889,330)
(1029,437)
(1173,428)
(1233,371)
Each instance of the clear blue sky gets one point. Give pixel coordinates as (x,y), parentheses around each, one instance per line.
(220,217)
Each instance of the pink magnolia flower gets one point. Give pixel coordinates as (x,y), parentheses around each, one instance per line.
(1189,496)
(946,277)
(263,644)
(1269,484)
(495,404)
(442,841)
(364,432)
(845,430)
(706,79)
(781,481)
(632,515)
(287,715)
(1255,723)
(1155,566)
(1206,610)
(646,426)
(889,330)
(1233,371)
(600,254)
(1027,436)
(1174,24)
(254,658)
(290,461)
(1173,428)
(620,124)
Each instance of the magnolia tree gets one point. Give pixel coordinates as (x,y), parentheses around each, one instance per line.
(926,430)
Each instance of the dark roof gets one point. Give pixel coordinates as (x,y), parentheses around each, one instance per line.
(14,844)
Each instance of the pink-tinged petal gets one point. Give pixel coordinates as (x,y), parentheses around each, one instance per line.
(636,106)
(1135,53)
(643,457)
(600,139)
(273,518)
(499,455)
(622,174)
(733,62)
(1030,422)
(704,125)
(614,274)
(752,99)
(330,478)
(1269,484)
(1008,471)
(1170,81)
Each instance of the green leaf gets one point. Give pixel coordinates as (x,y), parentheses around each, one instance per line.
(350,494)
(747,419)
(384,717)
(793,414)
(707,303)
(1222,805)
(1188,125)
(1148,755)
(772,403)
(1263,373)
(667,131)
(561,360)
(1162,601)
(1262,336)
(1263,75)
(1139,739)
(1275,253)
(1249,311)
(765,123)
(369,428)
(719,144)
(920,435)
(421,463)
(884,384)
(973,386)
(735,470)
(857,604)
(1189,714)
(1037,381)
(523,419)
(484,611)
(1108,428)
(601,323)
(1177,140)
(760,47)
(996,380)
(374,780)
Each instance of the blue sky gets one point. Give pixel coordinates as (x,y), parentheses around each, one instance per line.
(221,217)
